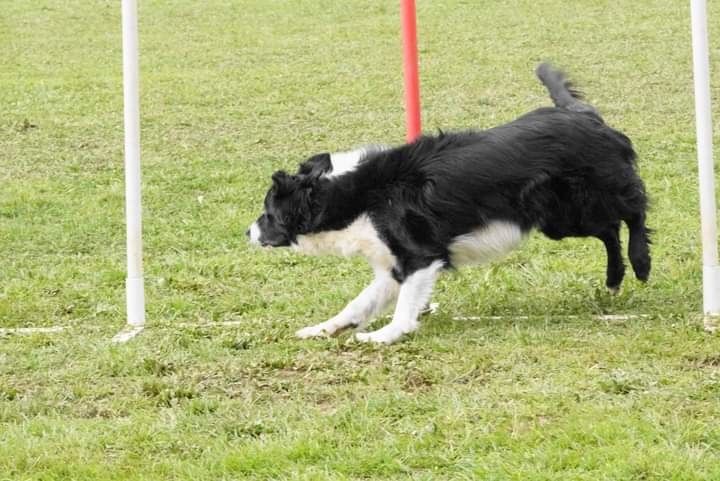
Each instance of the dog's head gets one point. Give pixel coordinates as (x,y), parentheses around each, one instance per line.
(288,210)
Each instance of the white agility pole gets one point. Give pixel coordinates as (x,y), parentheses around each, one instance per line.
(701,71)
(134,284)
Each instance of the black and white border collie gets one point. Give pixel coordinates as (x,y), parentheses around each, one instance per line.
(460,198)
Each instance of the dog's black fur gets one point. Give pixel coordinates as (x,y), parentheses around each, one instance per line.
(559,169)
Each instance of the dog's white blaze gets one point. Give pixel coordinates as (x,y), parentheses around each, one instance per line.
(343,162)
(359,238)
(254,234)
(483,245)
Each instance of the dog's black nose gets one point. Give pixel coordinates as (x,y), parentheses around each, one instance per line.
(247,233)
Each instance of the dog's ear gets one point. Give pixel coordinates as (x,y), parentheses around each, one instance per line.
(280,177)
(316,165)
(304,197)
(284,182)
(308,182)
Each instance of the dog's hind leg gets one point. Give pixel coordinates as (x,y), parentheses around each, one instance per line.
(615,266)
(415,292)
(371,302)
(639,246)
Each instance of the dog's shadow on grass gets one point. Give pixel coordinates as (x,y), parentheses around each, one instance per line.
(589,305)
(601,307)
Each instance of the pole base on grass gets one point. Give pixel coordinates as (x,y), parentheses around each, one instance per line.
(126,334)
(711,323)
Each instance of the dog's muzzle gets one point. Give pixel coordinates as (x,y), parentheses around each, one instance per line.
(253,234)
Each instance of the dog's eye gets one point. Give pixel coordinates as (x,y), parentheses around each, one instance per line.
(274,220)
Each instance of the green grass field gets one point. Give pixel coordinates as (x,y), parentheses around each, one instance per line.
(233,90)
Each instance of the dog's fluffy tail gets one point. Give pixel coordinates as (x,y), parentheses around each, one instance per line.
(561,90)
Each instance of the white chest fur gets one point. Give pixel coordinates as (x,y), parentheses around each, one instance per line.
(359,238)
(483,245)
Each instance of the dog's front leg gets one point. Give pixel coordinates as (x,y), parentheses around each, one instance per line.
(414,295)
(371,302)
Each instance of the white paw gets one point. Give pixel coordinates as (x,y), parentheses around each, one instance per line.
(431,308)
(386,335)
(318,330)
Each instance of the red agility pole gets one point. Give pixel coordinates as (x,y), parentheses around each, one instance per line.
(410,68)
